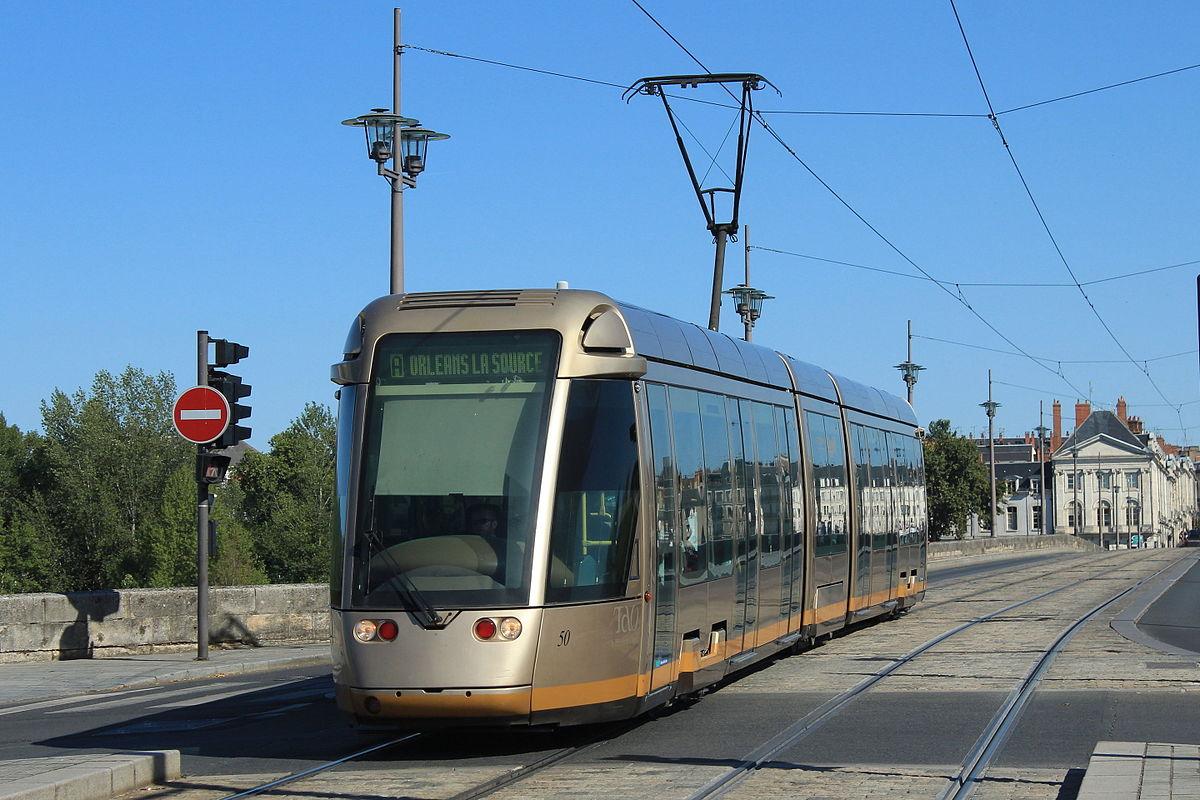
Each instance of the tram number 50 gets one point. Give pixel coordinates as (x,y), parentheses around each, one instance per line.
(564,638)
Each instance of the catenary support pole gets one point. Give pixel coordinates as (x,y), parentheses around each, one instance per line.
(992,450)
(746,321)
(1042,466)
(397,282)
(714,308)
(201,517)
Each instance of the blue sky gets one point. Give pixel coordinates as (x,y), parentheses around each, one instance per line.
(169,167)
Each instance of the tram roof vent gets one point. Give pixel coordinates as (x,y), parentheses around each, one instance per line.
(494,299)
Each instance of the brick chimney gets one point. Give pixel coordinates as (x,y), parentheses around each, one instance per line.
(1082,412)
(1122,410)
(1135,424)
(1056,435)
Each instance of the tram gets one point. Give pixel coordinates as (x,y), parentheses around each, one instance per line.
(555,508)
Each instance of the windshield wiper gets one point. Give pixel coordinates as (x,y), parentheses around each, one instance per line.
(426,615)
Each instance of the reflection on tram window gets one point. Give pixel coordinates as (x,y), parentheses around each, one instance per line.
(718,483)
(828,482)
(455,429)
(347,398)
(769,495)
(596,496)
(689,459)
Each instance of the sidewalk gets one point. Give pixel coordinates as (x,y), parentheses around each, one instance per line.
(49,680)
(100,777)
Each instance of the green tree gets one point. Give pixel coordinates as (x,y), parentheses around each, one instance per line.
(288,501)
(956,481)
(28,540)
(109,455)
(236,562)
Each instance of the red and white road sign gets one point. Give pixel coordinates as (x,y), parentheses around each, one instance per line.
(200,414)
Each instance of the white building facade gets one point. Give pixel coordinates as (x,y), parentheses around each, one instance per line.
(1121,488)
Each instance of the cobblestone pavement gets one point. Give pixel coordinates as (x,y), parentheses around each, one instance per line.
(976,668)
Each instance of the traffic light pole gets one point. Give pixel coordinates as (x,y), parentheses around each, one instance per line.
(201,517)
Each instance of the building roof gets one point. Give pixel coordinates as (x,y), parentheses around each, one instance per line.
(1102,423)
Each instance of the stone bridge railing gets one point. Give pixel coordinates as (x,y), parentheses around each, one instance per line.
(46,627)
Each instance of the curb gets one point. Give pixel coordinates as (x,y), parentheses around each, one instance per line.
(98,777)
(219,671)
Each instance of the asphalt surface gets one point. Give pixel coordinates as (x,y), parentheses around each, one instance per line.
(1174,618)
(285,721)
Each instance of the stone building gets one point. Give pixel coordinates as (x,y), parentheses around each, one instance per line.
(1117,484)
(1020,496)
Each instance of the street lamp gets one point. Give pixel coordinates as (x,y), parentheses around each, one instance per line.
(749,304)
(990,407)
(909,370)
(382,128)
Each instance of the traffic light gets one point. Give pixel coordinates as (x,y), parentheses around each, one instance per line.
(234,390)
(211,467)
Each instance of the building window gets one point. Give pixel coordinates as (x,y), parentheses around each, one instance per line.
(1070,480)
(1105,514)
(1133,515)
(1133,480)
(1105,479)
(1012,518)
(1073,516)
(1037,518)
(1035,485)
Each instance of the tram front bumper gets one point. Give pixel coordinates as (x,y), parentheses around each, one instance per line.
(393,706)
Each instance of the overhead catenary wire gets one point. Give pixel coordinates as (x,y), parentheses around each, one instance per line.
(766,126)
(1056,360)
(1038,210)
(975,284)
(807,112)
(759,118)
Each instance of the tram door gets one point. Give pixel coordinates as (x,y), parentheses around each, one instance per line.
(666,493)
(742,486)
(748,480)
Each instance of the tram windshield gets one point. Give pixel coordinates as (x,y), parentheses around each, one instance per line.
(452,450)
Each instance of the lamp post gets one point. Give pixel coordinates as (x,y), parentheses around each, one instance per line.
(748,300)
(990,407)
(909,370)
(1041,432)
(382,129)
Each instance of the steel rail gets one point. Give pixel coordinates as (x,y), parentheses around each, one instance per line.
(305,773)
(980,757)
(807,724)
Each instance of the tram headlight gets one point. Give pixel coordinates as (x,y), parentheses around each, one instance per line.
(510,628)
(364,630)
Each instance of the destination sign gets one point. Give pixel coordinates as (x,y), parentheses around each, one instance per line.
(460,360)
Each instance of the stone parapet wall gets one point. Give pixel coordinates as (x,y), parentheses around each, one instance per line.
(47,627)
(955,548)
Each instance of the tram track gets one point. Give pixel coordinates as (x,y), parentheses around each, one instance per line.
(757,758)
(988,744)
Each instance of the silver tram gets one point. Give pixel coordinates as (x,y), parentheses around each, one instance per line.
(556,508)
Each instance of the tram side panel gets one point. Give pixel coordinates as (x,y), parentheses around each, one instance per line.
(589,652)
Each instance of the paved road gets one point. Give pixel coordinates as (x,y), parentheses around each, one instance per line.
(1174,618)
(270,724)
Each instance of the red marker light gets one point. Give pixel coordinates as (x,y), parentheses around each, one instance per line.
(388,630)
(485,629)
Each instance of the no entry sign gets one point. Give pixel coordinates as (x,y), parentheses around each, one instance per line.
(201,414)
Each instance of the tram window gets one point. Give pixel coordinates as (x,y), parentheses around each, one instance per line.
(347,397)
(455,430)
(666,479)
(718,483)
(769,483)
(866,504)
(829,482)
(596,496)
(689,458)
(794,482)
(880,486)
